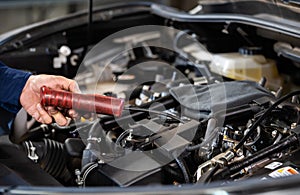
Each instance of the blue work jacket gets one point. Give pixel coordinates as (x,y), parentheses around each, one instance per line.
(12,82)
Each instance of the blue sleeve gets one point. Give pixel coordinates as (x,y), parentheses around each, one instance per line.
(12,82)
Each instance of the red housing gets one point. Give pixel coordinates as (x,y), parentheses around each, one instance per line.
(82,102)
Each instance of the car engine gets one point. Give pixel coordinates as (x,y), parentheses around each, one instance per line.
(204,102)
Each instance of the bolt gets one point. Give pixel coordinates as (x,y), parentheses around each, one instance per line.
(274,133)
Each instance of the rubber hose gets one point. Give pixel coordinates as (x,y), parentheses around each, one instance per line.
(51,158)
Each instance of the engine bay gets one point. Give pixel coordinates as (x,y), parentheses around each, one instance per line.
(204,102)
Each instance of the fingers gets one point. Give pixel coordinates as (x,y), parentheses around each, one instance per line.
(36,116)
(45,117)
(41,115)
(73,86)
(70,85)
(58,116)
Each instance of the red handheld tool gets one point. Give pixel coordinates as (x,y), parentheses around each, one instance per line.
(83,102)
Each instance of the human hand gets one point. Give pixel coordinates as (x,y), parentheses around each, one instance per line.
(30,97)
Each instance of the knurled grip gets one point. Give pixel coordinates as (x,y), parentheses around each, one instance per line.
(82,102)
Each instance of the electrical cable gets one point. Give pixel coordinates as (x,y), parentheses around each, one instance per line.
(118,141)
(194,147)
(154,112)
(268,111)
(183,168)
(83,127)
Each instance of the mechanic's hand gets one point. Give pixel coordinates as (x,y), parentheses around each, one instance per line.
(30,98)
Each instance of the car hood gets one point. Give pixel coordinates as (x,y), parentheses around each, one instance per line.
(279,11)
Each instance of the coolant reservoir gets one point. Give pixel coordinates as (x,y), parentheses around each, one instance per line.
(247,64)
